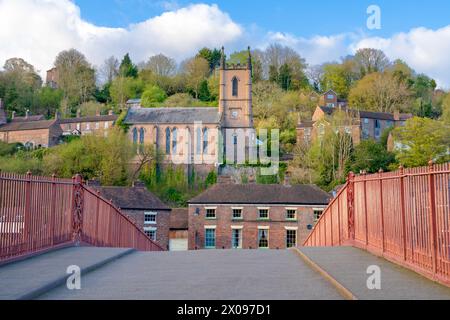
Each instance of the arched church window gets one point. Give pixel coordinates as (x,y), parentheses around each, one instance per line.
(167,141)
(141,136)
(135,135)
(235,86)
(205,141)
(198,137)
(174,140)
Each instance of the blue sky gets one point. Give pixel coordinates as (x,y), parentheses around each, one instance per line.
(417,32)
(302,18)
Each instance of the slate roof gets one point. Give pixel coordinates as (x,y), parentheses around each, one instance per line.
(179,219)
(37,117)
(111,117)
(132,198)
(370,114)
(172,115)
(27,125)
(262,194)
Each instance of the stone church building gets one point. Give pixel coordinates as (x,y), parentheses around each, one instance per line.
(201,138)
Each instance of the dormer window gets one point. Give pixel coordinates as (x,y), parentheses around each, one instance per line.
(234,87)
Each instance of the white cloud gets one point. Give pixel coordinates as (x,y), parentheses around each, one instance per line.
(37,30)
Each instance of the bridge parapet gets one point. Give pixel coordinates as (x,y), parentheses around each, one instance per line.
(403,216)
(41,213)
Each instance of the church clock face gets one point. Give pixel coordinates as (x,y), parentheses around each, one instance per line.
(234,114)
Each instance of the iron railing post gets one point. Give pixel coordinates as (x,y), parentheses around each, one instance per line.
(365,210)
(403,213)
(432,212)
(52,212)
(350,206)
(381,209)
(27,214)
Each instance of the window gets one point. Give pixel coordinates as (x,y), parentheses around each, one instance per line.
(263,238)
(141,136)
(174,140)
(236,238)
(377,128)
(167,141)
(150,217)
(151,233)
(330,105)
(366,121)
(88,126)
(291,238)
(263,213)
(135,135)
(291,214)
(106,125)
(78,126)
(235,139)
(330,96)
(210,238)
(97,125)
(235,84)
(237,213)
(317,214)
(210,213)
(199,141)
(205,141)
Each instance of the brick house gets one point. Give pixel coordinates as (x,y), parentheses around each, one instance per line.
(41,133)
(98,124)
(365,124)
(178,234)
(251,216)
(143,207)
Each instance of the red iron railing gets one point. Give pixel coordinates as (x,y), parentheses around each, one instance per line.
(40,213)
(403,216)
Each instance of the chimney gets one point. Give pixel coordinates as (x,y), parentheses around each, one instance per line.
(396,115)
(13,115)
(97,112)
(110,112)
(27,114)
(78,113)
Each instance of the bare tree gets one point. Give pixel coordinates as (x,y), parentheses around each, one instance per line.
(110,69)
(196,70)
(371,60)
(161,65)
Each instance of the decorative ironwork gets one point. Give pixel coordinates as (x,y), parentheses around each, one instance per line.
(77,213)
(350,205)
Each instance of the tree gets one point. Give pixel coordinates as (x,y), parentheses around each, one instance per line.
(124,88)
(127,68)
(421,140)
(212,56)
(161,65)
(152,96)
(370,60)
(110,69)
(48,100)
(76,78)
(196,70)
(423,88)
(180,100)
(446,109)
(285,77)
(203,93)
(370,156)
(336,77)
(379,92)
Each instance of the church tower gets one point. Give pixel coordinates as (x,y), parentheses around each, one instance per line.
(235,104)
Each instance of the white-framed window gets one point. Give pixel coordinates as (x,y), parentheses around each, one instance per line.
(317,213)
(291,213)
(291,237)
(210,213)
(263,237)
(210,237)
(330,96)
(88,126)
(236,237)
(150,217)
(78,126)
(236,213)
(263,213)
(106,125)
(150,232)
(97,125)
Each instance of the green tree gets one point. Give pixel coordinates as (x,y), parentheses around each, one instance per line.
(124,88)
(370,156)
(196,70)
(48,100)
(285,77)
(127,68)
(212,56)
(336,77)
(152,96)
(203,93)
(421,140)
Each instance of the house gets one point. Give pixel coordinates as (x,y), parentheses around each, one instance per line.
(251,216)
(150,214)
(32,134)
(364,124)
(3,118)
(190,136)
(98,124)
(178,234)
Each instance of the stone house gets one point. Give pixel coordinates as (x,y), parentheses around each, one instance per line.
(32,134)
(251,216)
(98,124)
(143,207)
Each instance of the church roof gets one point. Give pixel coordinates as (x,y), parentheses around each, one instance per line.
(172,115)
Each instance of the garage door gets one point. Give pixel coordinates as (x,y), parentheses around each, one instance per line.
(178,244)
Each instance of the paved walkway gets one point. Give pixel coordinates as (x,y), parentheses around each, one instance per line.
(29,278)
(349,265)
(192,275)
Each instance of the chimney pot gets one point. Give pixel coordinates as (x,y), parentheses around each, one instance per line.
(78,113)
(110,112)
(396,115)
(27,114)
(13,115)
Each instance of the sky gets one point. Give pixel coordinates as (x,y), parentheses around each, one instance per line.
(417,32)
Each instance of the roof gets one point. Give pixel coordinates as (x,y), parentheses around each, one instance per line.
(172,115)
(370,114)
(111,117)
(137,198)
(29,118)
(179,219)
(130,101)
(262,194)
(305,124)
(27,125)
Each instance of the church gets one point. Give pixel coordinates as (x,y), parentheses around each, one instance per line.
(202,138)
